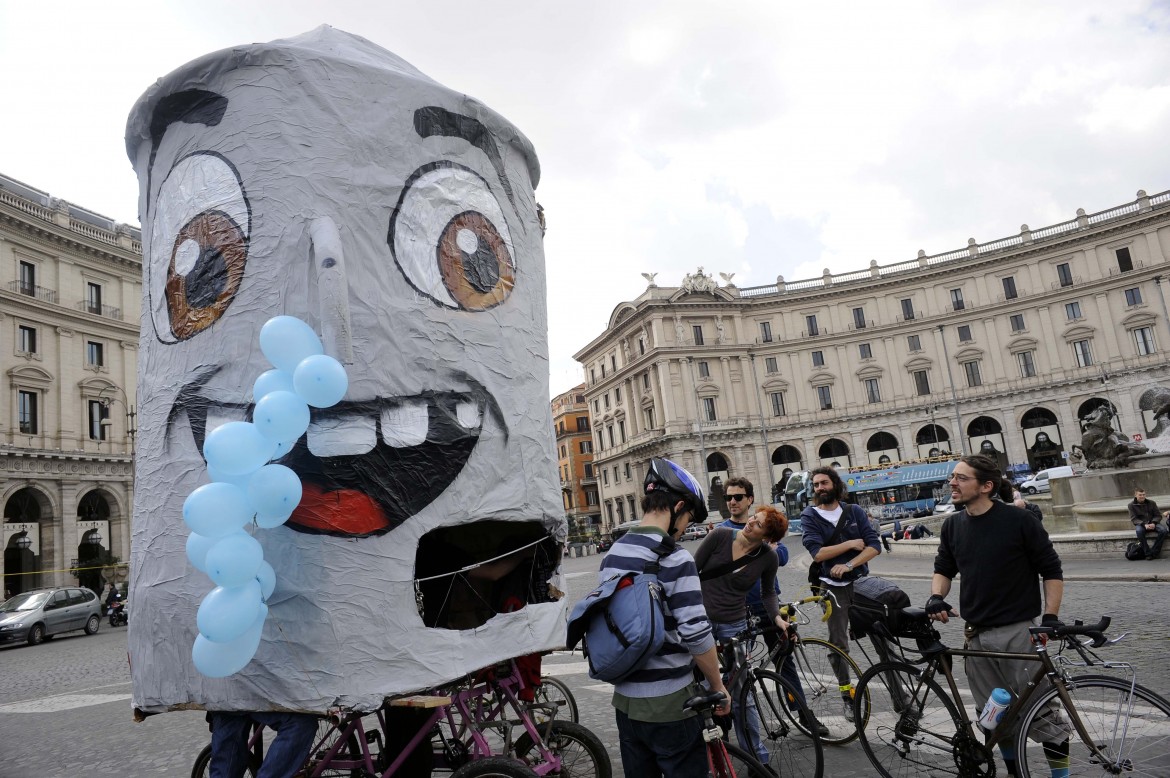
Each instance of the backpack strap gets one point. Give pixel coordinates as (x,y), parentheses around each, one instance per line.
(663,549)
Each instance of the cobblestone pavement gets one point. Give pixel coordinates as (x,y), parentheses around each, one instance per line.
(65,705)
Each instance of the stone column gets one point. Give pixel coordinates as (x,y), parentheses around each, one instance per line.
(728,393)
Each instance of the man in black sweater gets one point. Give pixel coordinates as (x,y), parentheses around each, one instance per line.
(1147,519)
(1001,551)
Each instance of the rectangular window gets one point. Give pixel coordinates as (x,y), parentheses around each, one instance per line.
(586,446)
(810,324)
(582,424)
(1009,288)
(1124,260)
(620,505)
(592,376)
(93,298)
(964,333)
(957,300)
(616,476)
(622,431)
(1072,311)
(28,279)
(27,412)
(605,476)
(646,380)
(825,397)
(697,329)
(908,309)
(609,512)
(588,469)
(606,398)
(649,418)
(627,471)
(609,431)
(1017,320)
(94,354)
(1133,296)
(590,497)
(971,369)
(777,403)
(770,365)
(859,318)
(1083,351)
(765,332)
(1064,274)
(865,351)
(914,342)
(818,359)
(873,392)
(709,408)
(704,370)
(921,382)
(28,339)
(596,406)
(1027,363)
(641,346)
(1144,340)
(617,395)
(603,370)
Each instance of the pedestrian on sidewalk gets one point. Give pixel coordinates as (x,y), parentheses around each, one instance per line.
(1147,519)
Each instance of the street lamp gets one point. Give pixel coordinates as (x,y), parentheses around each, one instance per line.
(131,414)
(23,541)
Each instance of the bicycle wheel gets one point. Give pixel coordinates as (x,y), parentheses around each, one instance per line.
(791,750)
(742,765)
(202,766)
(581,752)
(494,767)
(829,704)
(554,690)
(914,727)
(1129,726)
(327,735)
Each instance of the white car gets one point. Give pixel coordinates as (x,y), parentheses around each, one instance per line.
(1041,482)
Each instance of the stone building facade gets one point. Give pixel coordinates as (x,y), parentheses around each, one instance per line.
(70,299)
(999,347)
(570,414)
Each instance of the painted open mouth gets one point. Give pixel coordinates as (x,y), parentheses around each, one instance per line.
(366,466)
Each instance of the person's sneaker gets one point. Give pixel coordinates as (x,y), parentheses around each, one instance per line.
(849,711)
(812,724)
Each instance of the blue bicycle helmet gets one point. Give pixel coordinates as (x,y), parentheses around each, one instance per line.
(665,476)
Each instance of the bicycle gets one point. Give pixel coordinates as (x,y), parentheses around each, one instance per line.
(792,750)
(725,760)
(556,692)
(1113,725)
(816,662)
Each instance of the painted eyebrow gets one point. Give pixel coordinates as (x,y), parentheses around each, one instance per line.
(434,120)
(191,106)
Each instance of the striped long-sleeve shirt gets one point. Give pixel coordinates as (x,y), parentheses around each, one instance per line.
(688,631)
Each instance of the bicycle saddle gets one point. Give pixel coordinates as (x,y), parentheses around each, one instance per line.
(710,700)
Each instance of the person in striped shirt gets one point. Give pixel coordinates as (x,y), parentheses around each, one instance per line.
(656,735)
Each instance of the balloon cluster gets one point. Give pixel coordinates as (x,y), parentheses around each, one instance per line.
(246,489)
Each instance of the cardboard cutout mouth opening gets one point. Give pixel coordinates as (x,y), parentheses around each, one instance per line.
(467,574)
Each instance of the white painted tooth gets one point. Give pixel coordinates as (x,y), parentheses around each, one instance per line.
(405,424)
(217,416)
(467,412)
(344,436)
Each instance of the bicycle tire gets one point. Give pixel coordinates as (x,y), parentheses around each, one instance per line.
(743,764)
(822,691)
(555,690)
(792,750)
(328,734)
(202,766)
(1100,702)
(494,767)
(582,753)
(914,727)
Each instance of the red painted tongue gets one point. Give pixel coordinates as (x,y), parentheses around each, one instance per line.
(344,510)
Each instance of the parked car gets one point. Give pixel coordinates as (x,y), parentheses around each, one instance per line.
(41,614)
(1041,482)
(1017,474)
(944,505)
(605,544)
(692,533)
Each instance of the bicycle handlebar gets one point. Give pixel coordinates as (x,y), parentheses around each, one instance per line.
(1094,631)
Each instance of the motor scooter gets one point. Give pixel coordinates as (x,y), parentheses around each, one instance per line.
(119,612)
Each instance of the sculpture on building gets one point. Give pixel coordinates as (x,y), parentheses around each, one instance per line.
(649,279)
(1104,446)
(1157,401)
(680,334)
(720,331)
(698,282)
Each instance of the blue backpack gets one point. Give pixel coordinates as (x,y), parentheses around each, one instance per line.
(621,622)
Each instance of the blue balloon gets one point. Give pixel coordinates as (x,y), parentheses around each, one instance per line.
(226,613)
(286,340)
(219,660)
(238,447)
(272,381)
(267,578)
(274,490)
(217,509)
(197,548)
(320,381)
(280,416)
(240,480)
(282,448)
(234,560)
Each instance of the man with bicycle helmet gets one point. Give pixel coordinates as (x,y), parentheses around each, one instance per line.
(656,734)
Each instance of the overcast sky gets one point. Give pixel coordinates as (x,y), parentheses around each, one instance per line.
(759,138)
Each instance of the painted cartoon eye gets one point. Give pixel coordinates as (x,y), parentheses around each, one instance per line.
(451,240)
(199,246)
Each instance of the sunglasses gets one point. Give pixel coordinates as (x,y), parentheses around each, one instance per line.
(737,497)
